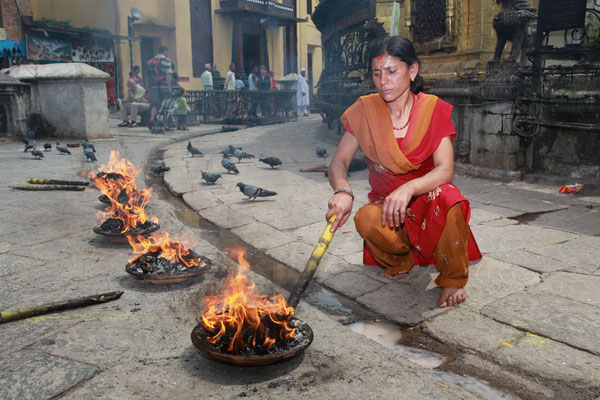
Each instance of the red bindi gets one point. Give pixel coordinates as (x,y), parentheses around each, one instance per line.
(379,57)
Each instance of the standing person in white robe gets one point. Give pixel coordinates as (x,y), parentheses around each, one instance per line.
(302,95)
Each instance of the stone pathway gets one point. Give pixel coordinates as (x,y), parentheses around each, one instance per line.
(533,303)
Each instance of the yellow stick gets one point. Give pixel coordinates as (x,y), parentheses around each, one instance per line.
(35,181)
(312,264)
(48,187)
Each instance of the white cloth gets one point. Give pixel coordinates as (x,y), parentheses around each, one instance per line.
(302,95)
(207,81)
(230,81)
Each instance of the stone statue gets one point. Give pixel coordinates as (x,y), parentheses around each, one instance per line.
(512,24)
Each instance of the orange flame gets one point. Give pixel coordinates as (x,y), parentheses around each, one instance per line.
(250,318)
(175,251)
(117,180)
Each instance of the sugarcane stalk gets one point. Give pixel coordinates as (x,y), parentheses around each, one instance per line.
(48,187)
(316,168)
(35,181)
(312,264)
(28,312)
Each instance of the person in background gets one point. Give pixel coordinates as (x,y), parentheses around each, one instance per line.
(239,84)
(160,70)
(253,87)
(273,81)
(207,78)
(230,78)
(302,95)
(136,75)
(264,84)
(134,103)
(182,111)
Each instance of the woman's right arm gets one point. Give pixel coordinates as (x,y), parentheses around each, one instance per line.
(341,202)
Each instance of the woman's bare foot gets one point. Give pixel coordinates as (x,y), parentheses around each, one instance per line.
(452,296)
(394,277)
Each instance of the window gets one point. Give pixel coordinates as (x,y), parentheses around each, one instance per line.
(428,19)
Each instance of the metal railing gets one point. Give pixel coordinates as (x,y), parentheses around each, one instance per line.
(243,106)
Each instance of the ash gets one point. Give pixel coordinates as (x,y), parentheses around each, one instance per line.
(152,264)
(280,346)
(115,226)
(109,175)
(122,198)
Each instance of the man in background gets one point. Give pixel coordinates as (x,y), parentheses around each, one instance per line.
(302,95)
(207,78)
(230,78)
(160,71)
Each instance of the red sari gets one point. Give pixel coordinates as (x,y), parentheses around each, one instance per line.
(393,162)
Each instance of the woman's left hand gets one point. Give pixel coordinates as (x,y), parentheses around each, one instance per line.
(395,204)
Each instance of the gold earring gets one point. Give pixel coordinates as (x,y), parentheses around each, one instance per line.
(412,79)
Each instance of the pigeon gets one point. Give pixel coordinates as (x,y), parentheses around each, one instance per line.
(229,165)
(210,177)
(88,145)
(232,148)
(159,169)
(254,191)
(272,161)
(321,152)
(225,153)
(194,151)
(30,145)
(240,154)
(47,147)
(62,149)
(29,139)
(89,154)
(37,154)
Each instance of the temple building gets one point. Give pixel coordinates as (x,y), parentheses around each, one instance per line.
(531,110)
(277,34)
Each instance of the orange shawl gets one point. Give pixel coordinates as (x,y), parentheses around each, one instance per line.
(369,121)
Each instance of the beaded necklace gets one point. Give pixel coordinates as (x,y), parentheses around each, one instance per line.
(409,115)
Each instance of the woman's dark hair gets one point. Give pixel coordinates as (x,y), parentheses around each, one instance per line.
(399,47)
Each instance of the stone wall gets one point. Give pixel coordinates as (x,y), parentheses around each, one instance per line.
(9,17)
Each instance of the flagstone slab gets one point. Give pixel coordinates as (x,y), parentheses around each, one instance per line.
(564,320)
(580,254)
(507,238)
(529,260)
(550,359)
(467,328)
(37,375)
(583,288)
(352,284)
(201,199)
(490,280)
(262,236)
(404,304)
(225,217)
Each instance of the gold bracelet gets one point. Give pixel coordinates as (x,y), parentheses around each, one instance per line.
(344,190)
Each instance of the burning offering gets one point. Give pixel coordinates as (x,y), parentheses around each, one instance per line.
(162,260)
(126,213)
(243,327)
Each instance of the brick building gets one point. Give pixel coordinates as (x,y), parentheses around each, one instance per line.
(12,15)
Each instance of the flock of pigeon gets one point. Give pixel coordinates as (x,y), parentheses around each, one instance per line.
(30,144)
(237,152)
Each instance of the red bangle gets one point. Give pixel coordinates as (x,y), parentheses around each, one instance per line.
(344,190)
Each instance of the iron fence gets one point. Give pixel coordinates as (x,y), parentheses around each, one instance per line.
(243,106)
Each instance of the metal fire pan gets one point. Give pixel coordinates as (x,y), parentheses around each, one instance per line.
(121,238)
(199,335)
(170,278)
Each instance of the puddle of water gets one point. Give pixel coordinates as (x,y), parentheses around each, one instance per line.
(389,335)
(473,385)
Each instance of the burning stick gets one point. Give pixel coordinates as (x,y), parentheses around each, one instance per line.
(312,264)
(316,168)
(34,181)
(28,312)
(49,187)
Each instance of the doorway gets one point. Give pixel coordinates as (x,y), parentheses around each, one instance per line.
(147,48)
(251,52)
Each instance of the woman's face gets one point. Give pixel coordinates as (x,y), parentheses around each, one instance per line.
(392,76)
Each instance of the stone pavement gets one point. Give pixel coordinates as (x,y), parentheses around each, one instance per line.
(532,318)
(139,346)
